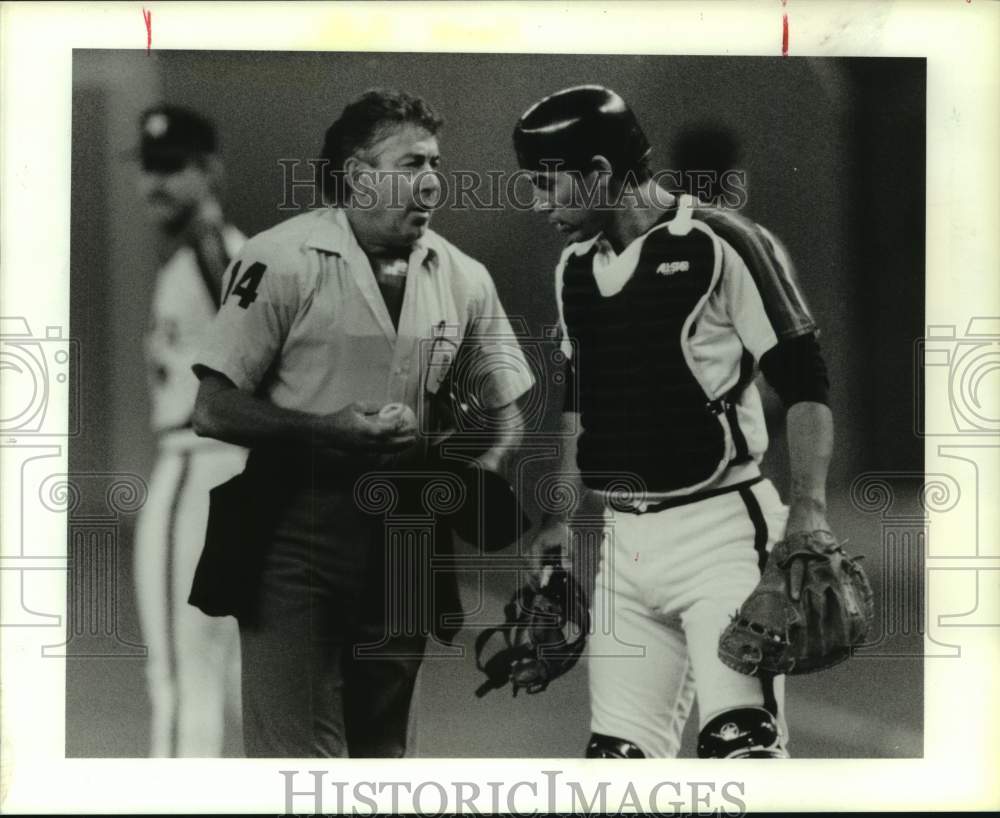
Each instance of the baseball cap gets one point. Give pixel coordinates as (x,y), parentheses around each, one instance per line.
(171,135)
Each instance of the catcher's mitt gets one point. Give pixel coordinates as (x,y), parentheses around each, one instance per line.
(811,606)
(544,635)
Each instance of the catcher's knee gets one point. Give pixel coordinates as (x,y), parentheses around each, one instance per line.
(602,746)
(744,732)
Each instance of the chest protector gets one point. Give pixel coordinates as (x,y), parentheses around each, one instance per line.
(642,410)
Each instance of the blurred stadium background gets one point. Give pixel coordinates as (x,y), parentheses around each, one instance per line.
(833,151)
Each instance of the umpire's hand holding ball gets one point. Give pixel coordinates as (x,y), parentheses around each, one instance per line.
(365,426)
(400,414)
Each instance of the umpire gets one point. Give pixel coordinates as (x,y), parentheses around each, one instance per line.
(324,322)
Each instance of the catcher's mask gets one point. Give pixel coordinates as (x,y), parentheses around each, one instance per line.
(543,635)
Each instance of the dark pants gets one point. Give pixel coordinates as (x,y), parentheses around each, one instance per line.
(331,656)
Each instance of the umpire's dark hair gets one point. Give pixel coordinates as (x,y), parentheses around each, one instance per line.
(362,123)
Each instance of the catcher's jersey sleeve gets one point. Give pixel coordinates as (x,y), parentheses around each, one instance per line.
(744,304)
(759,286)
(259,302)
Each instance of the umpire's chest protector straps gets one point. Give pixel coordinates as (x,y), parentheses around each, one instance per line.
(643,408)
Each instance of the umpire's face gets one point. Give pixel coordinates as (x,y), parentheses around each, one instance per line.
(396,183)
(571,201)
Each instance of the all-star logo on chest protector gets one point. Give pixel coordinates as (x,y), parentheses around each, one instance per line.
(668,268)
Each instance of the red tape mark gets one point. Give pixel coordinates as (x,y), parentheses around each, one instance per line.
(148,17)
(784,35)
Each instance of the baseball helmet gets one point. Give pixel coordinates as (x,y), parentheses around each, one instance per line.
(171,136)
(491,514)
(574,125)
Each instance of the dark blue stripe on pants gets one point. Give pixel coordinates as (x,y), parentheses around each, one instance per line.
(171,555)
(760,546)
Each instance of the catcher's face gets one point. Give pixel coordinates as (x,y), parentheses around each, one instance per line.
(173,196)
(571,202)
(395,183)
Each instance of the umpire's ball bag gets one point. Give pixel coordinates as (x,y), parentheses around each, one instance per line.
(242,514)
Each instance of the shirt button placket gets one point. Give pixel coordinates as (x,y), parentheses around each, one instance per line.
(399,380)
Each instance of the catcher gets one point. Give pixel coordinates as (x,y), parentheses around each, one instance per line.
(668,310)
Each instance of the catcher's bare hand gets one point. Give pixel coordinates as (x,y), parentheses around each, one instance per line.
(805,515)
(548,546)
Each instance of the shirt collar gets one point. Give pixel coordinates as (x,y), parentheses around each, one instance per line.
(581,248)
(677,217)
(333,234)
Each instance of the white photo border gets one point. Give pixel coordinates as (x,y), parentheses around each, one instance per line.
(959,40)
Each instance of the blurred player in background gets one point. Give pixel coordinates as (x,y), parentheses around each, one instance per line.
(193,666)
(668,307)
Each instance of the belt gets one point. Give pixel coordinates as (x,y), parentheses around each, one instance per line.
(644,507)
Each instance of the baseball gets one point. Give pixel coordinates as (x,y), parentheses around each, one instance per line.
(399,413)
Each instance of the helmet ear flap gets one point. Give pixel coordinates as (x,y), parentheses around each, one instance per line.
(599,164)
